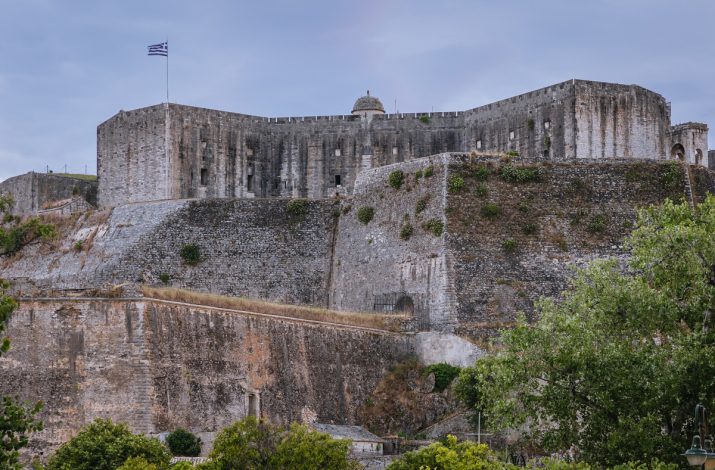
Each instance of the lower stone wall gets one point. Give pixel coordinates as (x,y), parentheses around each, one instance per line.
(34,192)
(159,365)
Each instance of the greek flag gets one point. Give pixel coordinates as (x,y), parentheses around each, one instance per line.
(161,49)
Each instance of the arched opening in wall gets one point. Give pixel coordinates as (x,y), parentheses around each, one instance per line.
(678,152)
(698,157)
(405,304)
(253,407)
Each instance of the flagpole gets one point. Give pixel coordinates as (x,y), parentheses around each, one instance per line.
(167,70)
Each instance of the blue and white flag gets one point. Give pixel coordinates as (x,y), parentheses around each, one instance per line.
(161,49)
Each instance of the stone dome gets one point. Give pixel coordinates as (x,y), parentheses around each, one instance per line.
(368,104)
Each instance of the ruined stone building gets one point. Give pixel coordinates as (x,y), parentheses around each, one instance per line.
(175,151)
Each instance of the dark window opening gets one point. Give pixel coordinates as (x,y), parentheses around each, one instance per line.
(252,405)
(337,180)
(204,177)
(249,183)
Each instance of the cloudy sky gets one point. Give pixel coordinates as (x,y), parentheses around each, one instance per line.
(68,65)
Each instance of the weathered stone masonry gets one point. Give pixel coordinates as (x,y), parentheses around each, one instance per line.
(175,151)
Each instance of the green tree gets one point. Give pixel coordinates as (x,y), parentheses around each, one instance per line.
(104,445)
(16,233)
(616,366)
(450,455)
(252,445)
(184,443)
(304,449)
(17,420)
(246,444)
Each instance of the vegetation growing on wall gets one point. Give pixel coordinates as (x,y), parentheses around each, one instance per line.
(520,174)
(298,207)
(490,210)
(396,178)
(191,254)
(184,443)
(434,226)
(365,214)
(406,231)
(421,204)
(444,374)
(16,233)
(429,171)
(455,183)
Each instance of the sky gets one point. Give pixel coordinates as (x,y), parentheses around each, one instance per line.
(68,65)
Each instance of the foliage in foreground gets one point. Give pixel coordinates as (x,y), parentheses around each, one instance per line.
(252,444)
(617,366)
(184,443)
(104,445)
(450,455)
(17,420)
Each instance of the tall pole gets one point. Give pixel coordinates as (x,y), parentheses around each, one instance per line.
(167,70)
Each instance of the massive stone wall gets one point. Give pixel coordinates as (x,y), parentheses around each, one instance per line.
(157,366)
(375,268)
(132,159)
(34,192)
(176,151)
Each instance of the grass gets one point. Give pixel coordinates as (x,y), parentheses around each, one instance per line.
(365,320)
(77,176)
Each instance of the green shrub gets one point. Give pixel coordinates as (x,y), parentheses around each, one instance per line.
(429,171)
(512,153)
(444,374)
(520,174)
(547,142)
(164,277)
(455,184)
(184,443)
(597,224)
(418,174)
(104,445)
(523,206)
(529,229)
(424,119)
(481,173)
(435,226)
(78,245)
(298,207)
(139,463)
(191,254)
(509,245)
(481,190)
(490,210)
(365,214)
(396,178)
(421,204)
(406,232)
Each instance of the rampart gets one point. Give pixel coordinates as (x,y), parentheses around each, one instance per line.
(175,152)
(158,365)
(36,192)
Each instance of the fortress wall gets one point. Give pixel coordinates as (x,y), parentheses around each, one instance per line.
(620,121)
(374,269)
(693,137)
(132,163)
(158,366)
(577,212)
(36,191)
(249,248)
(541,122)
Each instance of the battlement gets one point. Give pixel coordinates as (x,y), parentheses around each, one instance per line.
(176,151)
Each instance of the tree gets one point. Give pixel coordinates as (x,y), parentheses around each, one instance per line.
(17,420)
(304,449)
(616,366)
(184,443)
(253,445)
(16,233)
(104,445)
(450,455)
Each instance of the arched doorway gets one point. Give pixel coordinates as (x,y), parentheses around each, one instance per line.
(698,157)
(678,152)
(405,305)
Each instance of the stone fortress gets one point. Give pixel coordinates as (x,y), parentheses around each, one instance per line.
(457,250)
(177,152)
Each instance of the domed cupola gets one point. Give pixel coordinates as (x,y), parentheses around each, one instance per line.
(368,106)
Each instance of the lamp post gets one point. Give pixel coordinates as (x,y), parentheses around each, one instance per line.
(697,455)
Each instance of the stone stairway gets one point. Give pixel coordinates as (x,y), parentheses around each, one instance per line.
(688,185)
